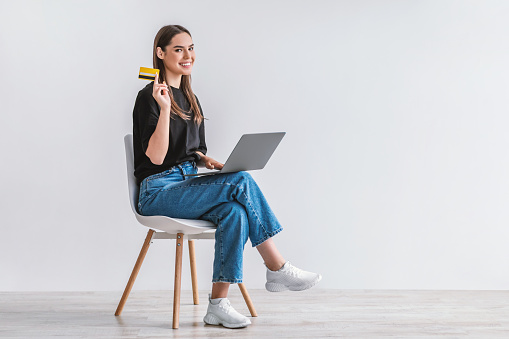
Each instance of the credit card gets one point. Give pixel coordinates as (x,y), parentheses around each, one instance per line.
(148,73)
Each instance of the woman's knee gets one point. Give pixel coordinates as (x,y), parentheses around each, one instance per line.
(241,177)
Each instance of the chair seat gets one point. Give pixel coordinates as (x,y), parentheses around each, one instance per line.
(176,225)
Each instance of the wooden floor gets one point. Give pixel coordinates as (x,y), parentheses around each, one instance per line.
(315,313)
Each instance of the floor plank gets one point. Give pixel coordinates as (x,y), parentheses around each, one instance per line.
(316,313)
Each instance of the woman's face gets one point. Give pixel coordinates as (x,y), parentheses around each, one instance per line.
(178,56)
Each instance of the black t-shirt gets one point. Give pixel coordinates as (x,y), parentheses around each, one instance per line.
(186,137)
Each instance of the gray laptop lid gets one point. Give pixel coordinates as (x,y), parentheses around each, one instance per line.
(252,152)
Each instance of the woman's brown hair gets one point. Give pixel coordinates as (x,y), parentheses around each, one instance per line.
(163,38)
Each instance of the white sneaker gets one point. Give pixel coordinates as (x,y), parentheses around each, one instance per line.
(224,314)
(290,278)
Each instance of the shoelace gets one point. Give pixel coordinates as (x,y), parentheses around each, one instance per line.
(294,271)
(227,306)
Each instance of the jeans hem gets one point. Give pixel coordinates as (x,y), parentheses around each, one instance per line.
(270,235)
(223,280)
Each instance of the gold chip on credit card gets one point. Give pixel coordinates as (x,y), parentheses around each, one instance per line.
(148,73)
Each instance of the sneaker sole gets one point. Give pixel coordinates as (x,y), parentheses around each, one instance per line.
(276,287)
(211,319)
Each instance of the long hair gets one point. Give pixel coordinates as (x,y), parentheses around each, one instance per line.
(163,38)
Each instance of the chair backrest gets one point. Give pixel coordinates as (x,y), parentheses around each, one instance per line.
(133,185)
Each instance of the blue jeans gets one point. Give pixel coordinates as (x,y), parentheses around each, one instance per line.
(232,201)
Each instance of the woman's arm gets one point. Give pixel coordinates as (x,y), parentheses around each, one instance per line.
(206,161)
(160,139)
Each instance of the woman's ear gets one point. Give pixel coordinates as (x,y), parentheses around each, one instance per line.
(160,53)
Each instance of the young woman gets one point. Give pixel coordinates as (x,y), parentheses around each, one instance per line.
(169,141)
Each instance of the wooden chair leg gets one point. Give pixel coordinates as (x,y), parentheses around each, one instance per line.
(194,277)
(178,276)
(249,303)
(134,274)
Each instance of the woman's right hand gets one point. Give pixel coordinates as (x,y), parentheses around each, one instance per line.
(160,93)
(210,163)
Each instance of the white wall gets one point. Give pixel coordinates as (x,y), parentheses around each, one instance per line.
(393,173)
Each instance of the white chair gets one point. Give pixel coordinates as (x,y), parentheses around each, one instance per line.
(169,228)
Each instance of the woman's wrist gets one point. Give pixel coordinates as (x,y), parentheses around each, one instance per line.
(201,157)
(165,111)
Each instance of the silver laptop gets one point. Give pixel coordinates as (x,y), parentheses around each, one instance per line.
(252,152)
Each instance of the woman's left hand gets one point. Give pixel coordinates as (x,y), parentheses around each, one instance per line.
(211,163)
